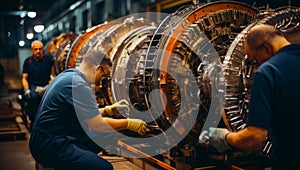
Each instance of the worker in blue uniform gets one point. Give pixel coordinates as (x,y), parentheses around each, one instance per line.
(68,111)
(36,76)
(274,102)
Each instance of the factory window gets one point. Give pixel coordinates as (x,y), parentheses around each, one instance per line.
(84,20)
(99,13)
(73,24)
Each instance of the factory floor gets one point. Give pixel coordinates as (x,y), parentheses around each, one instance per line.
(15,155)
(14,151)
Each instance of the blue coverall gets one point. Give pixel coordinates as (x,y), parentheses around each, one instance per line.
(59,138)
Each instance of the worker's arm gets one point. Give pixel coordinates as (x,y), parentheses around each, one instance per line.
(53,75)
(41,90)
(103,112)
(25,83)
(100,124)
(248,139)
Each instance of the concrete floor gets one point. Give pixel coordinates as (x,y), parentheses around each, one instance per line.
(15,153)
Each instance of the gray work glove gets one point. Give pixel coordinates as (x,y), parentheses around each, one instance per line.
(27,93)
(217,139)
(120,105)
(137,125)
(41,90)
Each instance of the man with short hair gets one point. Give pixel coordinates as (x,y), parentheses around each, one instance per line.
(274,102)
(36,76)
(68,112)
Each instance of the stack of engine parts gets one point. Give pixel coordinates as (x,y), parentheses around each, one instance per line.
(181,75)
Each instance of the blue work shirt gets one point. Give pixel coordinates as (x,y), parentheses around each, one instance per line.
(66,104)
(39,72)
(275,100)
(57,138)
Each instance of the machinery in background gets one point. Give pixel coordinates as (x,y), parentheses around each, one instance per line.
(183,74)
(59,47)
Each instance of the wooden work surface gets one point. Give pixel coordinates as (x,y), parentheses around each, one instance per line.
(11,123)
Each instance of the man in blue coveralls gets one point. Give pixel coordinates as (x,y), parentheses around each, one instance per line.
(36,76)
(58,139)
(274,102)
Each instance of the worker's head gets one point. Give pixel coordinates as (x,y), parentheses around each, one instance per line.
(96,64)
(37,48)
(262,42)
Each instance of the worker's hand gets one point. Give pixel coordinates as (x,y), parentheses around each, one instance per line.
(217,139)
(41,90)
(137,125)
(27,93)
(120,105)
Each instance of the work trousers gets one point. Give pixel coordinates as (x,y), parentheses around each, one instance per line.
(56,151)
(32,103)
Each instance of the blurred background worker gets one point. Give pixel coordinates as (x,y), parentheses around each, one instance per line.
(68,111)
(274,102)
(36,76)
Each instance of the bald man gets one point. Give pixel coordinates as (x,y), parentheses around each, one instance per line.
(274,102)
(36,76)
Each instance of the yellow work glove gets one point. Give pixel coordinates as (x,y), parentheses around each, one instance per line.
(137,125)
(120,105)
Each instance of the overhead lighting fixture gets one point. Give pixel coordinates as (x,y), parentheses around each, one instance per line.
(22,21)
(31,14)
(21,43)
(29,35)
(21,7)
(23,14)
(75,5)
(39,28)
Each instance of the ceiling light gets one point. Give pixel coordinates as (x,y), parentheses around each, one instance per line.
(29,35)
(38,28)
(22,22)
(21,43)
(23,14)
(21,7)
(31,14)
